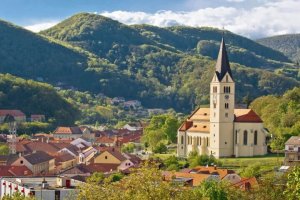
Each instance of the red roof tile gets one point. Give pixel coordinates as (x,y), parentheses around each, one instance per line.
(246,115)
(14,113)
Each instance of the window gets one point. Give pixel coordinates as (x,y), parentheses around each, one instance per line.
(226,114)
(255,137)
(200,141)
(215,105)
(207,142)
(182,139)
(226,105)
(21,162)
(215,89)
(236,135)
(105,157)
(245,137)
(226,78)
(226,89)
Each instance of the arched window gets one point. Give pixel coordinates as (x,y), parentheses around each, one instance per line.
(255,137)
(226,105)
(226,78)
(200,140)
(228,89)
(182,139)
(245,137)
(224,89)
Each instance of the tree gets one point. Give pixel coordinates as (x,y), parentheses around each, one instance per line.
(160,148)
(195,159)
(4,149)
(293,184)
(128,148)
(96,178)
(251,171)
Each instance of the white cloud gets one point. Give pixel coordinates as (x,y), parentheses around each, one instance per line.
(41,26)
(273,18)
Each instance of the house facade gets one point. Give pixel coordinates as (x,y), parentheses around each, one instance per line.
(221,130)
(292,151)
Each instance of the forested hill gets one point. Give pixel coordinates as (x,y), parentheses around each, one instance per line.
(289,45)
(109,38)
(36,98)
(162,67)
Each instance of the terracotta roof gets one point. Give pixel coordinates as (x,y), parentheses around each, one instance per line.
(200,127)
(100,167)
(38,157)
(247,183)
(68,130)
(14,113)
(201,114)
(246,115)
(213,170)
(186,125)
(197,178)
(63,157)
(14,171)
(105,139)
(294,140)
(41,146)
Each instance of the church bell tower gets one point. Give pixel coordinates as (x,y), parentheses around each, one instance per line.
(222,101)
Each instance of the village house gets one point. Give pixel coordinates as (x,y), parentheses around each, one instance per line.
(67,133)
(132,104)
(38,162)
(113,156)
(194,177)
(18,115)
(64,161)
(37,118)
(292,151)
(221,130)
(46,188)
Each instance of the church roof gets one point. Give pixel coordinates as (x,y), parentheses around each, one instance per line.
(201,114)
(203,127)
(222,65)
(246,115)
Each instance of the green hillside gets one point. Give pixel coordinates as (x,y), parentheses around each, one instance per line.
(36,98)
(161,67)
(289,45)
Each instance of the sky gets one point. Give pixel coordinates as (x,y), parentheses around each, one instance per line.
(250,18)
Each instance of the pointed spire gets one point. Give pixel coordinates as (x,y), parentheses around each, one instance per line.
(222,66)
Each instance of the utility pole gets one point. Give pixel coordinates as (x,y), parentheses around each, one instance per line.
(12,138)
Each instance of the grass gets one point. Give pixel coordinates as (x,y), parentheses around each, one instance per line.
(268,162)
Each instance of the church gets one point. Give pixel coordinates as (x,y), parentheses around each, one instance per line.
(222,130)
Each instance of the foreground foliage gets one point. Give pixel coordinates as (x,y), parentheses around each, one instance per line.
(281,115)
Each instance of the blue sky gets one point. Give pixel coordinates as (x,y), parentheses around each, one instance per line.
(251,18)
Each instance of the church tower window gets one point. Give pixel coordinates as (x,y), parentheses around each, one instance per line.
(215,89)
(236,135)
(255,137)
(182,139)
(245,137)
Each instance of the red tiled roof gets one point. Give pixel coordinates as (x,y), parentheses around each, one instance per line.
(105,139)
(14,171)
(246,115)
(247,183)
(186,125)
(67,130)
(14,113)
(41,146)
(101,167)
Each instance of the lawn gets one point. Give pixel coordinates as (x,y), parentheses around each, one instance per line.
(268,162)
